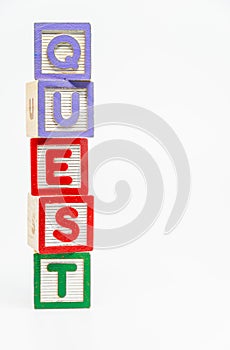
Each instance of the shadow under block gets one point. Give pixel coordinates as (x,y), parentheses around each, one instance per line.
(59,108)
(62,281)
(59,166)
(62,50)
(60,224)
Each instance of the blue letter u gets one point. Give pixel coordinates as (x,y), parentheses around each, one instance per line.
(57,110)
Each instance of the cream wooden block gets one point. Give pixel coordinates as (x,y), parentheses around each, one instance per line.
(32,109)
(59,166)
(62,281)
(60,224)
(32,221)
(59,108)
(62,50)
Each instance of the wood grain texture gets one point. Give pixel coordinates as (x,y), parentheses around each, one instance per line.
(32,109)
(59,166)
(52,111)
(32,221)
(62,50)
(52,227)
(62,281)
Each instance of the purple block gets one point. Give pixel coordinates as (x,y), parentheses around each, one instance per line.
(65,109)
(62,51)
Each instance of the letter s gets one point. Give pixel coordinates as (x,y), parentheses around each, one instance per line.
(62,221)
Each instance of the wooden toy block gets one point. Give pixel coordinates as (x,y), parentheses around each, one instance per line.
(62,50)
(60,224)
(62,281)
(59,108)
(59,166)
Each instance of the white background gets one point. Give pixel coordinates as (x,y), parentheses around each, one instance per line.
(160,292)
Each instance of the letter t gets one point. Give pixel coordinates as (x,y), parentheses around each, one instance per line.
(61,269)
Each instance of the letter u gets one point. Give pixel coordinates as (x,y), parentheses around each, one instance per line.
(57,110)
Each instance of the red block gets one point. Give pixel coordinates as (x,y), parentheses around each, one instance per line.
(60,224)
(59,166)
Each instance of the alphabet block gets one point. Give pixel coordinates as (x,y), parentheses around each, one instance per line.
(62,281)
(62,50)
(59,166)
(60,224)
(59,108)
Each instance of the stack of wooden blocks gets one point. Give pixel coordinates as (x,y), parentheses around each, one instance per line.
(59,120)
